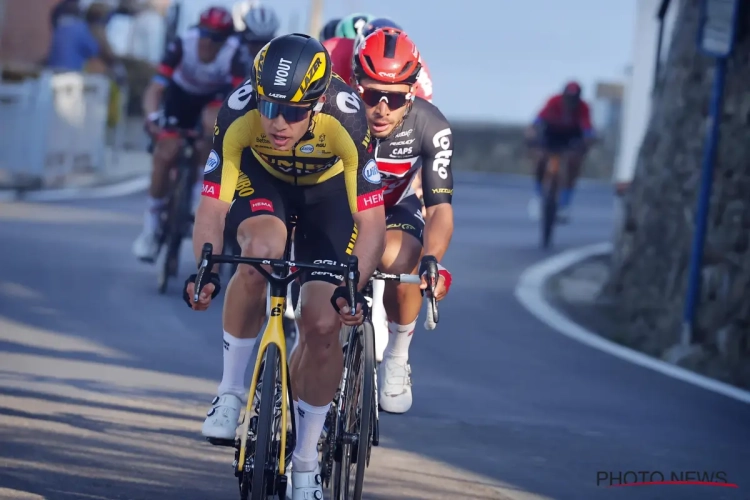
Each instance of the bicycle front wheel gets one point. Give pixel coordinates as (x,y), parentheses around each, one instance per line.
(549,210)
(265,461)
(356,415)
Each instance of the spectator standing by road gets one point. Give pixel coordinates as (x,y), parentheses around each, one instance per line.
(73,44)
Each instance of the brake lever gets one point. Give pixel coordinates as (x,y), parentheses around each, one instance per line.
(208,249)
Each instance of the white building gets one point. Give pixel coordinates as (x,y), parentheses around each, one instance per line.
(639,83)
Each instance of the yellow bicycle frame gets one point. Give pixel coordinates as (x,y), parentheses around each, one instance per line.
(272,334)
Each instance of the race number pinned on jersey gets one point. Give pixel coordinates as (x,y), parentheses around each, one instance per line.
(371,172)
(212,163)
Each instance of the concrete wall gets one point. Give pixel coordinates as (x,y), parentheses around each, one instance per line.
(638,88)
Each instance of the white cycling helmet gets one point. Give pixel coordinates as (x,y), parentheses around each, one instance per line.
(261,24)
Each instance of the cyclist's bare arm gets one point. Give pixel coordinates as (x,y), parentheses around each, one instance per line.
(152,97)
(209,225)
(370,242)
(169,62)
(219,180)
(437,185)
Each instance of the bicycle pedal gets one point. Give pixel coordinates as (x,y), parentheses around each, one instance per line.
(229,443)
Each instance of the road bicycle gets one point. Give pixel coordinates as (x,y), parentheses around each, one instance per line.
(553,178)
(177,217)
(267,437)
(352,424)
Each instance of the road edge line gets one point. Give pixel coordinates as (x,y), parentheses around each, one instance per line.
(529,291)
(122,188)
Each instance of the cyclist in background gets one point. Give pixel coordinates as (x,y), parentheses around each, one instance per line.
(329,30)
(261,25)
(193,78)
(564,121)
(291,140)
(412,136)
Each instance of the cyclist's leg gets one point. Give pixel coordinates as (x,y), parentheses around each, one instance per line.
(575,153)
(402,303)
(325,233)
(181,110)
(258,213)
(539,159)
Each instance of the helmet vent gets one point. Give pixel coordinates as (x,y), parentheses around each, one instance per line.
(390,45)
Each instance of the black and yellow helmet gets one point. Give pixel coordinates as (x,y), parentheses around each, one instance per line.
(292,68)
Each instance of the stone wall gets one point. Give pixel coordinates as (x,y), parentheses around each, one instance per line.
(652,250)
(493,147)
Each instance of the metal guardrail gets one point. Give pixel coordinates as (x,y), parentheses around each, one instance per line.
(53,126)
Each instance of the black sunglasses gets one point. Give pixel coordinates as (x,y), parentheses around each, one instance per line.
(394,100)
(291,114)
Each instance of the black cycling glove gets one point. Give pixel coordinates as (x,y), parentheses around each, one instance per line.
(428,264)
(343,292)
(212,278)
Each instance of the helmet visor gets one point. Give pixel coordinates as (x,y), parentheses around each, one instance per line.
(291,114)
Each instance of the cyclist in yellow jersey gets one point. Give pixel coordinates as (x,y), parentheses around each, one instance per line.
(292,139)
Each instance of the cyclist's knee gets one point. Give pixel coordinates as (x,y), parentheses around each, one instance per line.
(319,323)
(402,252)
(261,237)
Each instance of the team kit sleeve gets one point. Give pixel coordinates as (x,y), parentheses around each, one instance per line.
(239,67)
(356,151)
(437,151)
(223,165)
(170,61)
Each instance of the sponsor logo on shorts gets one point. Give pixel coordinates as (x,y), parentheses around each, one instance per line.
(371,172)
(403,227)
(307,148)
(261,204)
(211,189)
(442,191)
(370,200)
(212,163)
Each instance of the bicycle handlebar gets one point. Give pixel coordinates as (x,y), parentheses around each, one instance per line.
(351,276)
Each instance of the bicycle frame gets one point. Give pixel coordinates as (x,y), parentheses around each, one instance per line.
(273,333)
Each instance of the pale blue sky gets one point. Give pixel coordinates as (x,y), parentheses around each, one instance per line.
(500,59)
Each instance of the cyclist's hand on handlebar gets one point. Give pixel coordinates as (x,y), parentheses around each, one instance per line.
(442,286)
(345,313)
(209,291)
(340,302)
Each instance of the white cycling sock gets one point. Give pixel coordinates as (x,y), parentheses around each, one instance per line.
(310,420)
(399,338)
(237,354)
(151,220)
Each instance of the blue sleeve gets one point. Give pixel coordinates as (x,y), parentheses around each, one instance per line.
(89,45)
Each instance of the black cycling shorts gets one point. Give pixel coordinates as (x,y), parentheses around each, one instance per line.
(325,231)
(562,139)
(406,215)
(182,110)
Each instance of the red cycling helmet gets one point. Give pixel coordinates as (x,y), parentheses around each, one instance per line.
(217,20)
(572,89)
(389,56)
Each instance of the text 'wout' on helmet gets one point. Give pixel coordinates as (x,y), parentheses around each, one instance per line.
(388,55)
(293,68)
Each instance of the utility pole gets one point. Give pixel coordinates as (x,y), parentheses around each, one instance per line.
(315,22)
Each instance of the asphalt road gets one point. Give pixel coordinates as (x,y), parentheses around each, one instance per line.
(104,383)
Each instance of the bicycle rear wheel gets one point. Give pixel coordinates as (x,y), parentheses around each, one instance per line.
(355,418)
(549,209)
(177,224)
